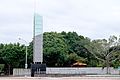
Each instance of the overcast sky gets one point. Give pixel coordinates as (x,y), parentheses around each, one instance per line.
(91,18)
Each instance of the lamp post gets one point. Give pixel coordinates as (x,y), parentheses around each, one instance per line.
(26,53)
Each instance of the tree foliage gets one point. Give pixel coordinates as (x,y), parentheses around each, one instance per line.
(106,51)
(54,49)
(64,49)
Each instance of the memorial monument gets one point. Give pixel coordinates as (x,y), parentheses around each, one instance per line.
(38,67)
(38,39)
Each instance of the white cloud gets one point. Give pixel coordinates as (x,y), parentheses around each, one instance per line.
(91,18)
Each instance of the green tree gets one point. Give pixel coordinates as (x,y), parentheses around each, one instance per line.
(30,54)
(104,50)
(70,39)
(13,54)
(54,49)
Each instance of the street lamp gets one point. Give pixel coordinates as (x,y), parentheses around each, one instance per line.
(26,53)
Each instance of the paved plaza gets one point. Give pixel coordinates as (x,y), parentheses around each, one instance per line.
(59,78)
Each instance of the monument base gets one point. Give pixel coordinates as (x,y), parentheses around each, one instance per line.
(38,69)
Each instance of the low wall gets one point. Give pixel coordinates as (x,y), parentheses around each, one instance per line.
(67,70)
(21,72)
(87,70)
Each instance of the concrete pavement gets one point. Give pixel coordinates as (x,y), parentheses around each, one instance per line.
(59,78)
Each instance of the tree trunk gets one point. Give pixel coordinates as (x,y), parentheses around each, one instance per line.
(108,66)
(9,69)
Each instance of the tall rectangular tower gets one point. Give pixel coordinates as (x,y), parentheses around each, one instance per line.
(38,39)
(38,67)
